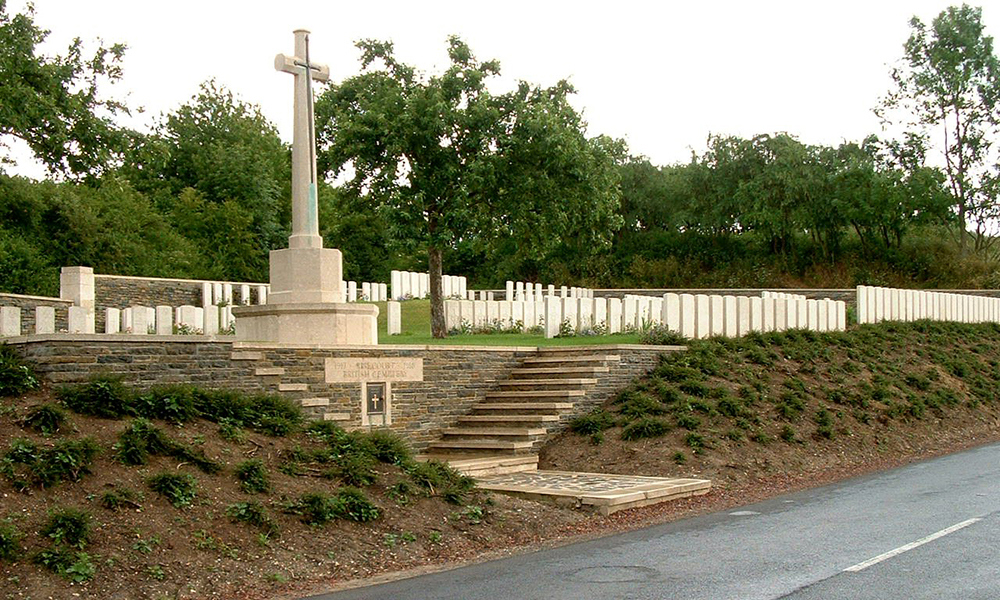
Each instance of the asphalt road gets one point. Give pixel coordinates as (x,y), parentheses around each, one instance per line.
(928,530)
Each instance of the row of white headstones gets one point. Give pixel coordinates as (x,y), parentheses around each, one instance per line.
(889,304)
(691,315)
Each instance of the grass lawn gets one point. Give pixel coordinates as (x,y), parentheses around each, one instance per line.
(415,319)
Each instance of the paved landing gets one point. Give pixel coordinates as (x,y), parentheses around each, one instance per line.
(596,491)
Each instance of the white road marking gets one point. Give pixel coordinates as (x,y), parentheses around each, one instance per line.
(911,546)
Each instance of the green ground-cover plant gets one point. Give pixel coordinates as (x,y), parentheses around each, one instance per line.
(318,508)
(10,541)
(180,489)
(437,478)
(26,464)
(118,498)
(46,419)
(806,387)
(141,438)
(68,527)
(253,478)
(16,377)
(253,513)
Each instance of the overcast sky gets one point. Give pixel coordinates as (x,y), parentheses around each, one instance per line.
(661,75)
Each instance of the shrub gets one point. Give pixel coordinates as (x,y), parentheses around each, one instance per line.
(73,566)
(688,422)
(46,419)
(353,505)
(10,541)
(439,478)
(354,468)
(645,428)
(103,396)
(264,413)
(173,403)
(180,489)
(315,508)
(253,513)
(593,423)
(661,335)
(15,377)
(388,447)
(141,438)
(695,442)
(788,434)
(679,458)
(68,527)
(637,405)
(26,465)
(253,477)
(117,498)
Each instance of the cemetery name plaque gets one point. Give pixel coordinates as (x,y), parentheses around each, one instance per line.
(359,370)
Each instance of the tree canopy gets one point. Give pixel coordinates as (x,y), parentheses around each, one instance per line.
(447,162)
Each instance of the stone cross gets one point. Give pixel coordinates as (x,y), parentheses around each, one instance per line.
(305,216)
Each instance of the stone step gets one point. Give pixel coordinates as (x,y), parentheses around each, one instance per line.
(558,372)
(481,466)
(562,383)
(246,355)
(499,432)
(534,394)
(480,445)
(521,408)
(315,402)
(266,371)
(503,420)
(570,360)
(293,387)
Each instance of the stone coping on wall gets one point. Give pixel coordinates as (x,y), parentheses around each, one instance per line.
(116,337)
(175,280)
(35,298)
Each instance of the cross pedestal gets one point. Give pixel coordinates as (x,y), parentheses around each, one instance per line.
(305,304)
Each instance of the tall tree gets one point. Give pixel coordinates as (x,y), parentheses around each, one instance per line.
(450,161)
(53,103)
(950,82)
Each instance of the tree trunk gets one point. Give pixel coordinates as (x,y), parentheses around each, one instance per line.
(438,328)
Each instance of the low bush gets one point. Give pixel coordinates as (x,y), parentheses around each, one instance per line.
(661,335)
(72,565)
(15,376)
(27,465)
(10,541)
(645,428)
(264,413)
(46,419)
(118,498)
(103,396)
(437,478)
(68,527)
(252,476)
(180,489)
(175,403)
(253,513)
(389,448)
(637,405)
(592,423)
(315,508)
(353,505)
(141,439)
(355,469)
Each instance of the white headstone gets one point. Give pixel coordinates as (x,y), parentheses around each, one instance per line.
(45,319)
(756,314)
(227,292)
(742,315)
(553,315)
(600,313)
(415,285)
(614,315)
(261,294)
(211,320)
(585,313)
(688,316)
(517,314)
(80,320)
(716,315)
(563,291)
(352,291)
(395,284)
(630,307)
(187,316)
(729,316)
(112,320)
(538,292)
(702,316)
(506,310)
(206,293)
(812,315)
(671,314)
(767,314)
(570,314)
(244,294)
(531,315)
(393,324)
(128,322)
(780,314)
(552,290)
(165,320)
(383,292)
(217,297)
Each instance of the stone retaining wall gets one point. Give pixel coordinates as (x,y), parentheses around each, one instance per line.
(27,305)
(455,377)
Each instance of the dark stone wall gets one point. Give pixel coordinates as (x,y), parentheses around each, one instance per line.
(115,291)
(27,305)
(454,378)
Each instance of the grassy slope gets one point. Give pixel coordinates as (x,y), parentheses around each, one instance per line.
(415,320)
(790,403)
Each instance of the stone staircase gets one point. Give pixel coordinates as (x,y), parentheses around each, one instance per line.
(504,432)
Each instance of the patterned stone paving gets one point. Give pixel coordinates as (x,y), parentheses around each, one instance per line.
(606,493)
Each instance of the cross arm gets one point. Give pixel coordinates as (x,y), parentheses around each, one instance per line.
(294,65)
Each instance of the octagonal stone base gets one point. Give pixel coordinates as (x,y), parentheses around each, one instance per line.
(310,324)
